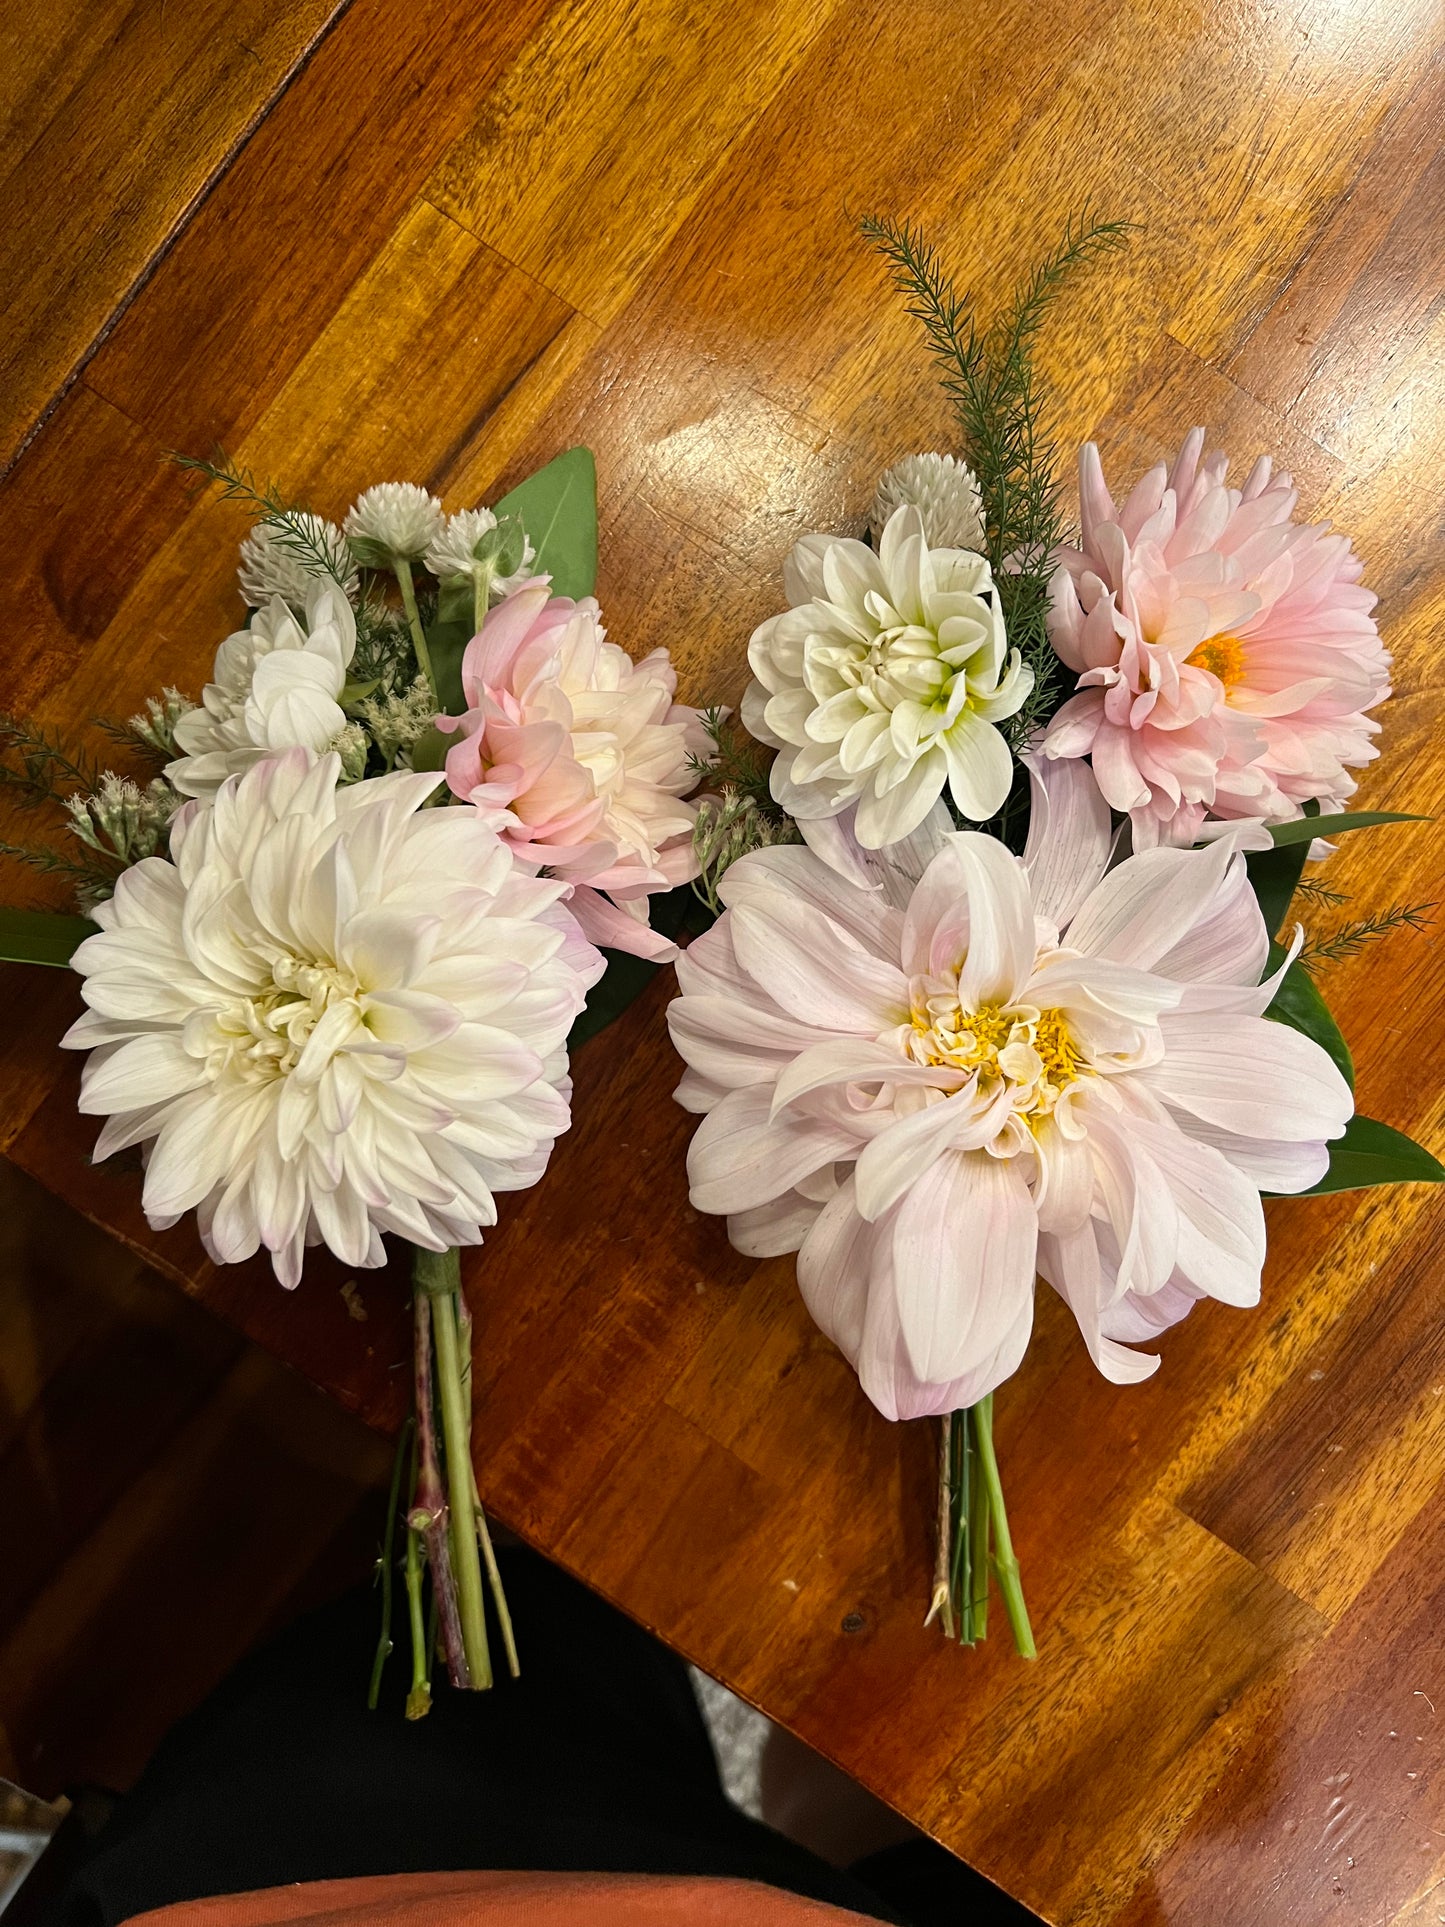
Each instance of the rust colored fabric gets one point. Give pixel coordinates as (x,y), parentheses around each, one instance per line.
(502,1899)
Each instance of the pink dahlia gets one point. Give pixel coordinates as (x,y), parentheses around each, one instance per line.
(1227,656)
(579,757)
(985,1068)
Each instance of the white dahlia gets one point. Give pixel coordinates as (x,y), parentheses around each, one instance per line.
(935,1089)
(276,687)
(333,1014)
(277,561)
(884,682)
(946,494)
(393,522)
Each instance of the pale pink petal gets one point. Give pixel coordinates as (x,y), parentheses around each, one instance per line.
(964,1243)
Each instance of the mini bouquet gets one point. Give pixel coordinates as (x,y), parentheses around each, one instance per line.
(328,1010)
(995,992)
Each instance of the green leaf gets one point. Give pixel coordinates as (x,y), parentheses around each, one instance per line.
(41,936)
(626,977)
(1275,875)
(1305,829)
(429,751)
(1299,1004)
(446,643)
(558,508)
(1371,1153)
(357,692)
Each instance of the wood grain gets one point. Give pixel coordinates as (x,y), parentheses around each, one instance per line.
(150,101)
(634,227)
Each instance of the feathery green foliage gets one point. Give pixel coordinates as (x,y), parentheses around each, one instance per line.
(1352,938)
(988,375)
(289,522)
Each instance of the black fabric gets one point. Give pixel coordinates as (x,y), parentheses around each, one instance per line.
(597,1760)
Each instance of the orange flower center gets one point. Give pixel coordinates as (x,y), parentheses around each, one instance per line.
(1222,656)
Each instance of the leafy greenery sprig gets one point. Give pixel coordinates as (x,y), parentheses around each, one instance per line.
(988,375)
(293,526)
(1352,938)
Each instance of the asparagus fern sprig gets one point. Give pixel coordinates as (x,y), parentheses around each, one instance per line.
(988,375)
(1352,938)
(294,528)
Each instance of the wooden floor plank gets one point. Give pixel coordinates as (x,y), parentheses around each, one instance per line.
(312,198)
(153,101)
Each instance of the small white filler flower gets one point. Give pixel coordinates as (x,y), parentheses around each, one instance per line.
(393,522)
(334,1014)
(463,550)
(289,558)
(946,494)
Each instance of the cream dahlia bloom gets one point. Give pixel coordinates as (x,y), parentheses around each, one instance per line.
(1227,654)
(996,1067)
(884,682)
(334,1014)
(276,687)
(579,758)
(946,494)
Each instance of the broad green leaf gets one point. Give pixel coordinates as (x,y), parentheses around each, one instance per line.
(447,643)
(626,977)
(1299,1004)
(1275,875)
(1305,829)
(429,751)
(1371,1153)
(558,508)
(41,936)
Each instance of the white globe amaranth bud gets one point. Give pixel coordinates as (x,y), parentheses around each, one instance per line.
(393,522)
(287,560)
(945,492)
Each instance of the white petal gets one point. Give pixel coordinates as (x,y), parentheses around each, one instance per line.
(814,969)
(1250,1076)
(963,1254)
(739,1158)
(1070,835)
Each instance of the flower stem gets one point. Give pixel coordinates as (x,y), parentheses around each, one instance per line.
(1005,1563)
(402,567)
(481,597)
(429,1501)
(494,1580)
(437,1276)
(484,1538)
(418,1700)
(979,1521)
(942,1600)
(384,1641)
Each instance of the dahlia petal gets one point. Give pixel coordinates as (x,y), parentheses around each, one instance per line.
(1250,1076)
(814,969)
(740,1158)
(963,1256)
(1070,834)
(770,1230)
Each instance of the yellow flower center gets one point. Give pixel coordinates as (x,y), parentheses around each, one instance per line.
(1222,656)
(1033,1050)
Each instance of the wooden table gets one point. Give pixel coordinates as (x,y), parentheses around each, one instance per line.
(404,238)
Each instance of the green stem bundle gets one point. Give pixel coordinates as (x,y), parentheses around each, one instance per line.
(414,623)
(447,1540)
(974,1541)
